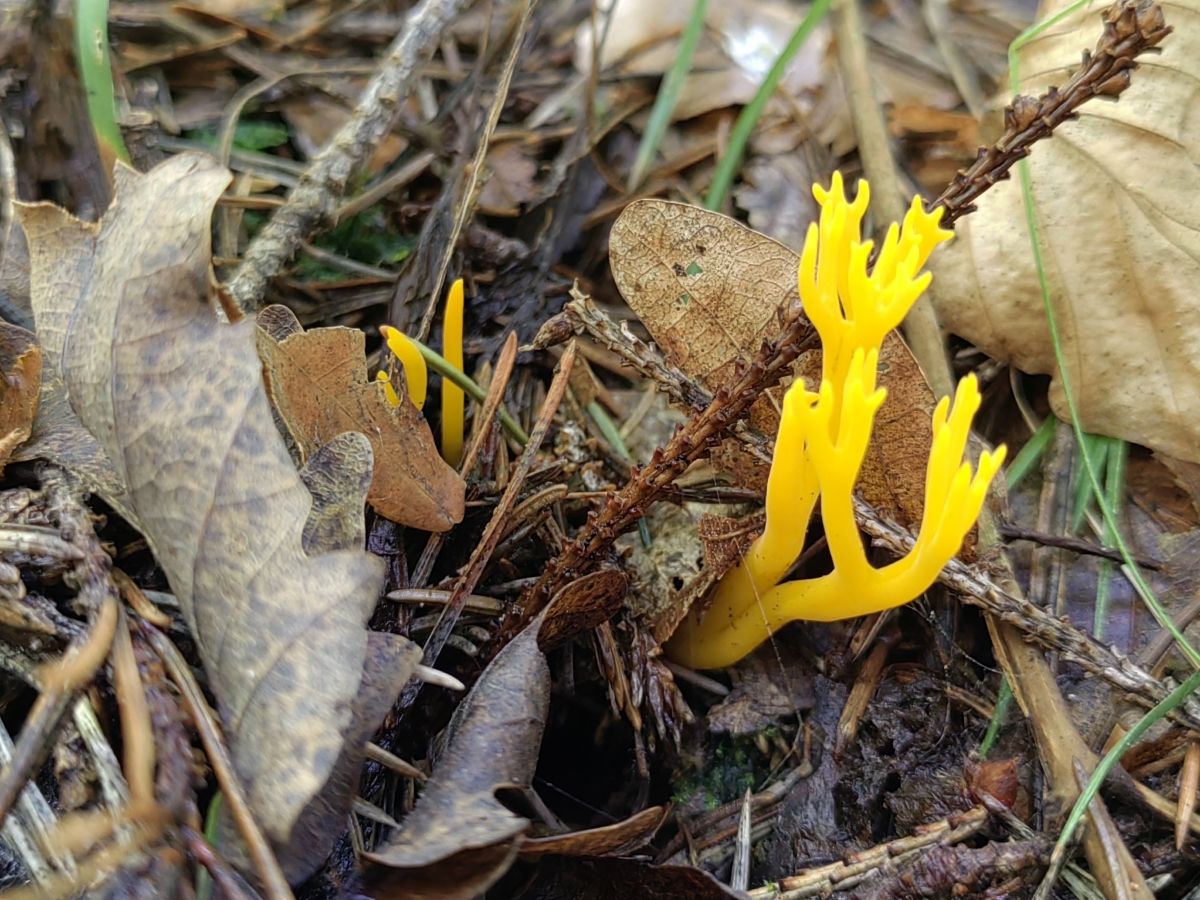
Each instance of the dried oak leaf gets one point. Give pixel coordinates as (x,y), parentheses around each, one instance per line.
(317,380)
(459,839)
(176,400)
(1115,198)
(710,290)
(20,382)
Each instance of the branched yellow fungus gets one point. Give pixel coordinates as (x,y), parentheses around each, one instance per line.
(823,439)
(416,374)
(454,401)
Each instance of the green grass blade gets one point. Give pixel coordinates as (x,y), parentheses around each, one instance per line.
(999,714)
(95,71)
(668,96)
(1029,455)
(731,162)
(1134,573)
(1096,445)
(1114,486)
(438,363)
(1168,704)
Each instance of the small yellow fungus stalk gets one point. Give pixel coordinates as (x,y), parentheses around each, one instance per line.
(416,374)
(823,439)
(453,399)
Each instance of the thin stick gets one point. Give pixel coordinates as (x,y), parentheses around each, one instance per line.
(491,403)
(465,583)
(874,149)
(467,199)
(274,882)
(136,731)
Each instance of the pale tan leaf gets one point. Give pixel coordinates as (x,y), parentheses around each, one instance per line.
(1115,194)
(176,400)
(709,290)
(318,382)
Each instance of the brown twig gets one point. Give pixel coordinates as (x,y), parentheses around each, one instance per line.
(60,680)
(582,314)
(1011,532)
(312,203)
(469,188)
(875,861)
(1131,27)
(647,484)
(465,583)
(979,589)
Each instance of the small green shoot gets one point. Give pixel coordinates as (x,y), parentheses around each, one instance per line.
(1114,487)
(1029,455)
(1096,446)
(999,714)
(668,96)
(253,135)
(364,238)
(95,71)
(744,127)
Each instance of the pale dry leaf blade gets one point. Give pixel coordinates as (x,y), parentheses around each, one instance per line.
(706,286)
(1115,195)
(710,291)
(176,400)
(492,741)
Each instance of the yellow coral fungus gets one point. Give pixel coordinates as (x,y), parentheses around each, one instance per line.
(823,438)
(453,399)
(416,374)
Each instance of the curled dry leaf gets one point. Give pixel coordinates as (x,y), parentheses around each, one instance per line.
(176,400)
(459,839)
(1115,198)
(710,290)
(20,381)
(581,606)
(618,839)
(318,382)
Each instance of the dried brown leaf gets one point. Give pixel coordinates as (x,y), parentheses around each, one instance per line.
(511,185)
(618,839)
(1115,198)
(176,400)
(20,381)
(459,839)
(318,382)
(710,290)
(338,476)
(59,436)
(582,605)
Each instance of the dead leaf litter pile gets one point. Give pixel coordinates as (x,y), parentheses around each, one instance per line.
(555,449)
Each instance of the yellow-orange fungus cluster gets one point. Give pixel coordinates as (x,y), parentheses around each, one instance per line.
(416,377)
(823,438)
